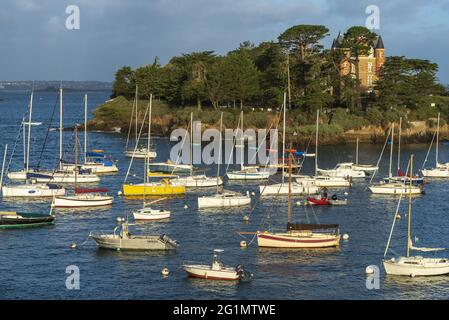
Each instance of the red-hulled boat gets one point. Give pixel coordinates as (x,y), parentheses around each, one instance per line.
(320,201)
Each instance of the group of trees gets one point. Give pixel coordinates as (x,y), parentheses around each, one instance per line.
(296,63)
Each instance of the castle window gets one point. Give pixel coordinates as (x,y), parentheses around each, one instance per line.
(352,68)
(370,81)
(370,67)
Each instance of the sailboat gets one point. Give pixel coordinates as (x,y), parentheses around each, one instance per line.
(95,160)
(82,197)
(137,152)
(246,172)
(401,177)
(394,188)
(322,180)
(414,265)
(283,188)
(163,187)
(368,168)
(300,235)
(441,170)
(59,175)
(31,189)
(195,180)
(224,198)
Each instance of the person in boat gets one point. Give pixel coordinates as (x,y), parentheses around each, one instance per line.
(324,193)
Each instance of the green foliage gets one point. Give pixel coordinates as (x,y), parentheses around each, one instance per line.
(347,121)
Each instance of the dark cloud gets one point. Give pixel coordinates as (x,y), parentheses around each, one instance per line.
(36,45)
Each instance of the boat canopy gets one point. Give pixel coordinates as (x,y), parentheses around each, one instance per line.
(32,175)
(95,154)
(91,190)
(304,226)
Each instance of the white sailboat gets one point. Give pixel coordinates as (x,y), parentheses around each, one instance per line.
(400,176)
(224,198)
(413,265)
(137,152)
(246,172)
(31,189)
(394,188)
(300,236)
(367,168)
(441,170)
(195,180)
(82,198)
(283,189)
(94,161)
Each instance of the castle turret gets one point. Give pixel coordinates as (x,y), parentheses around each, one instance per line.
(380,53)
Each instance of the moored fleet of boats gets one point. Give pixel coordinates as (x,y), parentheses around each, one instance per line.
(69,185)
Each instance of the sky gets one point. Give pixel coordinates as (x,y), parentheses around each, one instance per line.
(36,45)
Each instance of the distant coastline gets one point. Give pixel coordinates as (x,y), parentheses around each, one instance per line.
(53,86)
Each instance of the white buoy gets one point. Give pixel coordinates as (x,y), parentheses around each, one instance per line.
(73,245)
(346,236)
(119,193)
(242,244)
(245,218)
(398,216)
(165,272)
(253,193)
(369,270)
(346,193)
(120,219)
(186,206)
(298,203)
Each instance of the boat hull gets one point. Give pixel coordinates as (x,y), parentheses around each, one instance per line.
(297,240)
(205,272)
(151,215)
(283,189)
(97,168)
(25,221)
(152,189)
(196,182)
(140,154)
(82,200)
(112,242)
(422,267)
(223,202)
(31,191)
(242,175)
(169,168)
(395,190)
(441,172)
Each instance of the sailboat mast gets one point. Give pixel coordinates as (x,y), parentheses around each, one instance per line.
(242,144)
(409,206)
(391,152)
(29,133)
(146,166)
(60,127)
(191,143)
(136,113)
(399,144)
(289,210)
(357,151)
(219,153)
(85,128)
(438,140)
(24,144)
(76,156)
(316,142)
(283,134)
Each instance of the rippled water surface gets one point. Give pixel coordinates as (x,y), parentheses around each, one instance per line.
(33,262)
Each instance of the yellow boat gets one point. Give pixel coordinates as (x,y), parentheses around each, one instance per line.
(153,189)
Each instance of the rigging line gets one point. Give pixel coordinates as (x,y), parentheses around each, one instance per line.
(380,157)
(130,125)
(182,147)
(19,135)
(428,151)
(48,132)
(234,142)
(137,142)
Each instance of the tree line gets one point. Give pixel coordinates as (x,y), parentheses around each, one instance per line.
(296,62)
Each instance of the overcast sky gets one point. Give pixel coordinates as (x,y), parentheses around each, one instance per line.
(35,44)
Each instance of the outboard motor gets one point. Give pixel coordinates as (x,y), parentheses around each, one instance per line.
(169,240)
(242,273)
(334,197)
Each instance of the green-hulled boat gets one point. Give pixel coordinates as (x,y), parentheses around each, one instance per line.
(14,220)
